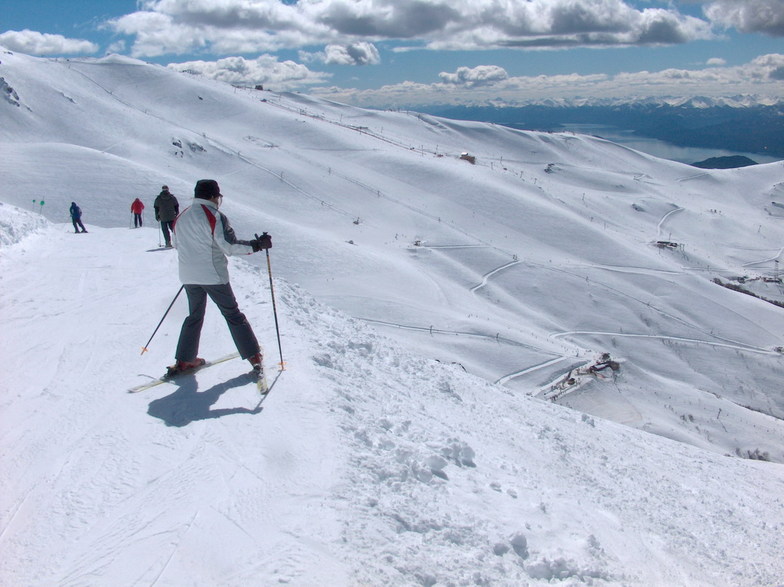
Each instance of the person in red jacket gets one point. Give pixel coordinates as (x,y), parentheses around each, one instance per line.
(137,208)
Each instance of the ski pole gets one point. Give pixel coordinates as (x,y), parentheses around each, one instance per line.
(274,309)
(179,291)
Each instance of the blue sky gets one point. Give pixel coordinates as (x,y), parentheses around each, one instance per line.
(387,53)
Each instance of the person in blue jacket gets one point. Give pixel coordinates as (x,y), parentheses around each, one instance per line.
(76,218)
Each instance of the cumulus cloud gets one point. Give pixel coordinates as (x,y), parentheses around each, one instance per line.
(35,43)
(384,19)
(180,26)
(748,16)
(471,77)
(769,67)
(157,34)
(361,53)
(716,61)
(266,70)
(762,76)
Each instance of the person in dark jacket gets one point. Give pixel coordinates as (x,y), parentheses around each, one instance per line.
(137,207)
(166,209)
(76,218)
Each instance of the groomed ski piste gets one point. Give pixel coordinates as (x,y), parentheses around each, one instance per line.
(426,307)
(365,464)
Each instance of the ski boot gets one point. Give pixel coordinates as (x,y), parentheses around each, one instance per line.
(181,367)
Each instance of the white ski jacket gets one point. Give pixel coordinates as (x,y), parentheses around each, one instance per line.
(203,238)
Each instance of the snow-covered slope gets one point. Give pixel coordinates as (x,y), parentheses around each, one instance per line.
(522,269)
(542,250)
(365,465)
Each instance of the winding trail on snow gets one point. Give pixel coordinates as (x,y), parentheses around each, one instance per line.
(663,220)
(431,330)
(487,276)
(506,378)
(735,346)
(729,344)
(773,258)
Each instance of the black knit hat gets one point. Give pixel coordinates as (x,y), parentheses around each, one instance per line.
(206,189)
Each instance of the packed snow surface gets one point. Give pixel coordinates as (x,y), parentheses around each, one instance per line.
(437,421)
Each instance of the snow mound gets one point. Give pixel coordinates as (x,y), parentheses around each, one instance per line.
(16,224)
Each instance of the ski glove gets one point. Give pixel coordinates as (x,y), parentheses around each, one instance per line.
(261,242)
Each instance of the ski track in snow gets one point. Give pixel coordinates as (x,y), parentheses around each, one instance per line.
(108,499)
(660,226)
(487,276)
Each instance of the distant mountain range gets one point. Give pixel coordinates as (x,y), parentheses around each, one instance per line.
(737,101)
(743,123)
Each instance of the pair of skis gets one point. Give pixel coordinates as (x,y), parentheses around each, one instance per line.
(259,375)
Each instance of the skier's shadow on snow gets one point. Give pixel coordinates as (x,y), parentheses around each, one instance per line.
(188,404)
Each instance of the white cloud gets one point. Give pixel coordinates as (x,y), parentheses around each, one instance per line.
(361,53)
(763,76)
(157,34)
(716,61)
(770,67)
(749,16)
(35,43)
(482,75)
(226,26)
(266,70)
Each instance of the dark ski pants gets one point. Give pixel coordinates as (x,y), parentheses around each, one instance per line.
(223,296)
(77,222)
(137,220)
(166,226)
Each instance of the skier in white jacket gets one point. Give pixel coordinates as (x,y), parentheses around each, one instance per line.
(203,238)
